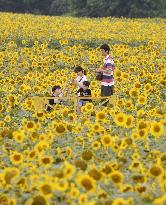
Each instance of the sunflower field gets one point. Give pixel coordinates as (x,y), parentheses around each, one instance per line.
(114,155)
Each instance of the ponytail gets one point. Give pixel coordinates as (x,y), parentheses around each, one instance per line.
(84,71)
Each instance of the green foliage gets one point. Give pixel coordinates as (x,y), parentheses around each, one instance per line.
(91,8)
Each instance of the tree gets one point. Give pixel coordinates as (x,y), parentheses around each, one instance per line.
(91,8)
(59,7)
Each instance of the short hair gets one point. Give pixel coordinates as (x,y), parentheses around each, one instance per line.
(78,69)
(86,83)
(54,88)
(105,47)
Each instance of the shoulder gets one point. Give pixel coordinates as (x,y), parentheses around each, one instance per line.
(84,77)
(109,61)
(89,91)
(77,78)
(80,90)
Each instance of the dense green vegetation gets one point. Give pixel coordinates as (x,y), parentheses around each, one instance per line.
(90,8)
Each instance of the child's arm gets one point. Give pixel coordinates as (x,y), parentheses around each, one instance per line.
(79,92)
(80,84)
(109,67)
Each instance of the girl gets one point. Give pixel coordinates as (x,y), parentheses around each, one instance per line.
(81,77)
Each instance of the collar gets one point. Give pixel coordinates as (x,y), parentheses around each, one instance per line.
(108,56)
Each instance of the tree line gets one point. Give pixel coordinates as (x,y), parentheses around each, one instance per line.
(89,8)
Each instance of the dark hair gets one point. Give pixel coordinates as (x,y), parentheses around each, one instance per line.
(105,47)
(78,69)
(55,88)
(86,83)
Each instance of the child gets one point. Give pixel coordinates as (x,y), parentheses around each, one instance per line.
(107,83)
(56,92)
(81,77)
(84,92)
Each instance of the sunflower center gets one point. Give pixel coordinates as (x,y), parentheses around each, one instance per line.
(87,184)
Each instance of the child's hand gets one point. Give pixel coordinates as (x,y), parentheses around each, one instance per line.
(73,81)
(61,95)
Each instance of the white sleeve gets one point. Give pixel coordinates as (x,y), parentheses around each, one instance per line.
(84,78)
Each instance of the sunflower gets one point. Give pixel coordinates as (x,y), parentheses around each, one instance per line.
(65,112)
(30,126)
(34,136)
(117,177)
(96,145)
(80,164)
(119,201)
(135,165)
(28,104)
(4,199)
(31,155)
(16,158)
(95,174)
(129,121)
(143,133)
(69,151)
(96,128)
(126,188)
(156,129)
(87,155)
(19,136)
(9,174)
(61,185)
(12,202)
(83,110)
(128,104)
(1,107)
(2,124)
(134,93)
(74,192)
(106,140)
(100,116)
(87,182)
(83,198)
(68,170)
(137,85)
(46,189)
(140,113)
(142,99)
(60,128)
(120,119)
(7,118)
(93,83)
(89,107)
(40,115)
(160,201)
(37,200)
(141,188)
(46,160)
(143,124)
(118,73)
(156,170)
(41,147)
(163,157)
(148,87)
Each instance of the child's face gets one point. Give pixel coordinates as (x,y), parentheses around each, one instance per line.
(85,87)
(79,73)
(57,92)
(103,52)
